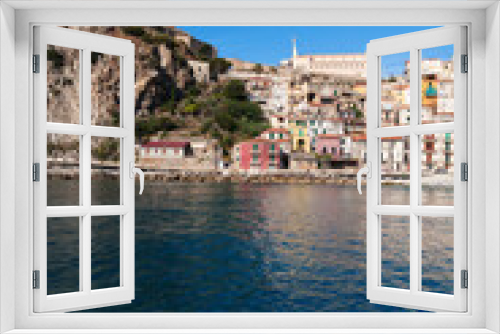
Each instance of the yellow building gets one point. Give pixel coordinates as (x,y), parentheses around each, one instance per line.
(301,142)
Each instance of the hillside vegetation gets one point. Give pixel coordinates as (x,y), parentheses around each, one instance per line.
(168,99)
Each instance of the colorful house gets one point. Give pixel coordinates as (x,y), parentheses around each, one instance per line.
(318,127)
(276,133)
(257,154)
(188,153)
(262,154)
(328,144)
(301,142)
(165,154)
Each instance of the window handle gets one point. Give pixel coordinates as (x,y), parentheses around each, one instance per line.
(365,170)
(134,170)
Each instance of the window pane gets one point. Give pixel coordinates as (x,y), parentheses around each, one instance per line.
(63,85)
(63,169)
(105,92)
(395,94)
(437,254)
(105,171)
(395,253)
(105,252)
(63,255)
(395,171)
(437,84)
(437,169)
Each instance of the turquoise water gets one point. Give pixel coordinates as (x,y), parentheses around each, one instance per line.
(254,248)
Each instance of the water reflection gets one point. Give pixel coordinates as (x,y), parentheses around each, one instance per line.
(250,248)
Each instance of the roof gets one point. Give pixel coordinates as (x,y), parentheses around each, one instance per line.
(276,130)
(394,138)
(166,144)
(330,136)
(263,140)
(358,138)
(279,141)
(354,56)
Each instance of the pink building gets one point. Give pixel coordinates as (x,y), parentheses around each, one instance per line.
(329,144)
(258,154)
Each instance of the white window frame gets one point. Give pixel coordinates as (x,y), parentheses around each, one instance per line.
(415,296)
(124,50)
(484,266)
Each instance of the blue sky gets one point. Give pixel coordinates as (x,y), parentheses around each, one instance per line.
(268,45)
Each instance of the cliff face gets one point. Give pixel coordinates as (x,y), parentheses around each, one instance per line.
(169,101)
(162,73)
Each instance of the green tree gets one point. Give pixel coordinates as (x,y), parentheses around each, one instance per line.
(218,66)
(235,90)
(206,52)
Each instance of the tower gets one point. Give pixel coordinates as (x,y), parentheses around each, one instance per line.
(294,43)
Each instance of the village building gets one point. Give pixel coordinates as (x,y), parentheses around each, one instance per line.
(162,154)
(395,155)
(201,70)
(329,144)
(276,133)
(353,65)
(358,149)
(303,161)
(185,154)
(316,127)
(262,154)
(336,151)
(257,154)
(301,142)
(279,121)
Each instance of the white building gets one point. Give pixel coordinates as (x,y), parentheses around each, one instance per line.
(350,65)
(201,70)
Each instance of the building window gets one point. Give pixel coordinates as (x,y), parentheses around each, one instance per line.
(324,131)
(271,136)
(281,136)
(255,147)
(301,133)
(324,150)
(312,122)
(431,91)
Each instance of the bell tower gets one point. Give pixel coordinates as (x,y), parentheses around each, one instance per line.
(294,43)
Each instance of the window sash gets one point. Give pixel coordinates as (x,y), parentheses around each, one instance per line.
(414,298)
(85,297)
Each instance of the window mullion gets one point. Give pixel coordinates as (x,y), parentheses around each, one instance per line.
(85,184)
(415,235)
